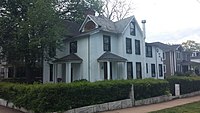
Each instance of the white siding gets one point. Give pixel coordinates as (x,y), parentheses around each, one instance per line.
(90,48)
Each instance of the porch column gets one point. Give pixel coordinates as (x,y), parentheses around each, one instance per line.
(108,70)
(98,69)
(125,71)
(68,72)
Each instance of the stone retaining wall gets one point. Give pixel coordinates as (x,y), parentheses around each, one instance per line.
(127,103)
(153,100)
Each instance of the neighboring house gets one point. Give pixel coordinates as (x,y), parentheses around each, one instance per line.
(175,59)
(104,50)
(3,69)
(195,62)
(154,61)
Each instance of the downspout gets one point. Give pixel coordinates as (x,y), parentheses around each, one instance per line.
(144,46)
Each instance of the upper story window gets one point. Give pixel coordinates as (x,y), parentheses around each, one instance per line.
(137,47)
(106,43)
(128,46)
(132,29)
(178,55)
(164,56)
(73,47)
(89,26)
(148,51)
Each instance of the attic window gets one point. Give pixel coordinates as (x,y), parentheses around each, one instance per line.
(132,28)
(89,26)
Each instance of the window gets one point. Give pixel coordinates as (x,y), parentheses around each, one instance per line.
(148,51)
(178,68)
(137,47)
(128,46)
(160,70)
(51,72)
(2,70)
(147,69)
(188,57)
(132,29)
(106,43)
(89,26)
(153,70)
(164,68)
(178,55)
(129,70)
(73,47)
(138,70)
(164,56)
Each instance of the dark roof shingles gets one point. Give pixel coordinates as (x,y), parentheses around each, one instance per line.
(107,56)
(71,57)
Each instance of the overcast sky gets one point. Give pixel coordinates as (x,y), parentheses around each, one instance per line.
(169,21)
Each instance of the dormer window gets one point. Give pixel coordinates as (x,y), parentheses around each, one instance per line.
(89,26)
(132,29)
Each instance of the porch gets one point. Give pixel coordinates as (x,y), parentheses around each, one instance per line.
(66,69)
(112,67)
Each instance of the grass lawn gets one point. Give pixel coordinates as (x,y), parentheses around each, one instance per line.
(187,108)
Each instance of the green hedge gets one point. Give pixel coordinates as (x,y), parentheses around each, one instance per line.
(187,84)
(61,97)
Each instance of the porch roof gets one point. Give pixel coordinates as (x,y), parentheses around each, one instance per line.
(68,58)
(107,56)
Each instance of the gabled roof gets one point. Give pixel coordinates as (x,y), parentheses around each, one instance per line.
(109,26)
(72,28)
(68,58)
(104,23)
(165,47)
(121,24)
(107,56)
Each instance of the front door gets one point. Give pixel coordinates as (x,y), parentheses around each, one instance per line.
(72,75)
(105,71)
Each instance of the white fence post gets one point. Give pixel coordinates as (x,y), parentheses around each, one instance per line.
(132,94)
(177,89)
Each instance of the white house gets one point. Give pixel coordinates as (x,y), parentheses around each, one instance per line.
(154,62)
(104,50)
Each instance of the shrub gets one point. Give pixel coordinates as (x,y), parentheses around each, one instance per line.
(187,84)
(60,97)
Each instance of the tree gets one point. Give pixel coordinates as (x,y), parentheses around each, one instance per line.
(76,10)
(117,9)
(190,45)
(29,29)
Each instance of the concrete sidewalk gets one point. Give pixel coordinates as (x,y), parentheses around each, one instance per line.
(8,110)
(158,106)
